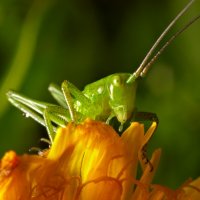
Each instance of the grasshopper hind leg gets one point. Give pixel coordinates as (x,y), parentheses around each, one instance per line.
(43,113)
(28,112)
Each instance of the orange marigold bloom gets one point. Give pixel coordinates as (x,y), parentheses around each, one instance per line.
(86,162)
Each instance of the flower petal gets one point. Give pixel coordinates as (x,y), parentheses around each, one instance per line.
(192,190)
(16,175)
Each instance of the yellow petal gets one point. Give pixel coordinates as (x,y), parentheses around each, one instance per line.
(147,176)
(95,153)
(16,175)
(192,190)
(86,161)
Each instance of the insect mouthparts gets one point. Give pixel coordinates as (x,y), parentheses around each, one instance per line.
(120,127)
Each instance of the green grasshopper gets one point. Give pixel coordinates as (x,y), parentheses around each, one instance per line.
(109,97)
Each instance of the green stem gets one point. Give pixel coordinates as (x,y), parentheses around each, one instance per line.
(25,51)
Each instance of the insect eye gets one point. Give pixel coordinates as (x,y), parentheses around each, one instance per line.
(117,81)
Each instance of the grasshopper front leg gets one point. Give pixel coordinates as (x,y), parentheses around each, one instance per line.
(78,104)
(67,95)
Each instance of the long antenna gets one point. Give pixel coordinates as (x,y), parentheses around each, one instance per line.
(137,73)
(155,57)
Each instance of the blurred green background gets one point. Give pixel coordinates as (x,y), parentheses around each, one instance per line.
(82,41)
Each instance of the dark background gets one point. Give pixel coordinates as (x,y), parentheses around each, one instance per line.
(82,41)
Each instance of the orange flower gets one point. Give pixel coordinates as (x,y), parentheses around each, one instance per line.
(86,162)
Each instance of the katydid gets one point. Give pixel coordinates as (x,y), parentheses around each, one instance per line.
(112,96)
